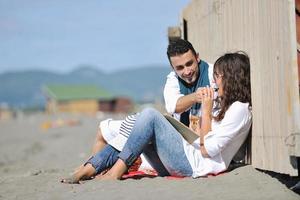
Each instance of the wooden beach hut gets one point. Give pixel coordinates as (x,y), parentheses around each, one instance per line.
(87,99)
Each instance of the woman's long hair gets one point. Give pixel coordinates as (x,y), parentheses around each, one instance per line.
(235,71)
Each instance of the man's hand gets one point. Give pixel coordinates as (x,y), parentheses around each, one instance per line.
(185,102)
(199,94)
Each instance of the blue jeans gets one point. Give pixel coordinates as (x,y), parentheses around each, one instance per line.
(165,153)
(104,159)
(108,156)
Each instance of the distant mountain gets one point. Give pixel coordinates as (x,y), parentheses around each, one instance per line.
(24,89)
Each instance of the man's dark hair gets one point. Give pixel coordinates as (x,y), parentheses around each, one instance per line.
(179,47)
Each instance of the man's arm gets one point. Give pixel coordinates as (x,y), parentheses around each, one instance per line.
(175,102)
(185,102)
(171,93)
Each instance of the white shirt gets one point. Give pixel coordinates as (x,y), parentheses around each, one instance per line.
(172,91)
(222,142)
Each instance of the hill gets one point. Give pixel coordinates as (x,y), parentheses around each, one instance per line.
(24,89)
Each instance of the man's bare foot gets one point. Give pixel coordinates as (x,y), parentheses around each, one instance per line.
(70,180)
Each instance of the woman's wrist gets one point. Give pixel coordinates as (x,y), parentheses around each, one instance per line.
(201,140)
(206,115)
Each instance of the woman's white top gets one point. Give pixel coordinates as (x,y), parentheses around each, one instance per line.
(222,142)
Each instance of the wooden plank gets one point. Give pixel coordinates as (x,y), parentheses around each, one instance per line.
(266,31)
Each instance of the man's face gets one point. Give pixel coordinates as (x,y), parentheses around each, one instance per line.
(186,66)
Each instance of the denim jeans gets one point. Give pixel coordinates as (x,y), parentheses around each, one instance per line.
(104,159)
(108,156)
(160,142)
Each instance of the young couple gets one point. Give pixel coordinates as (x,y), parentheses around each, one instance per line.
(225,121)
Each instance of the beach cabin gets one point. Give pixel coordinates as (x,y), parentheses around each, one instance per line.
(87,99)
(266,30)
(5,112)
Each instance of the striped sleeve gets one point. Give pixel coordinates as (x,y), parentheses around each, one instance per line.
(127,125)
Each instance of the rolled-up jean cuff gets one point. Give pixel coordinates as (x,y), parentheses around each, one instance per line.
(90,161)
(97,168)
(128,157)
(94,164)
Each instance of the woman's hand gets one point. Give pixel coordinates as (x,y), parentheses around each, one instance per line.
(207,101)
(207,105)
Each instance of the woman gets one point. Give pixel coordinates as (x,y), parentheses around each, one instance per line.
(222,131)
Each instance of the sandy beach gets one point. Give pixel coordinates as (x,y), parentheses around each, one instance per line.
(34,158)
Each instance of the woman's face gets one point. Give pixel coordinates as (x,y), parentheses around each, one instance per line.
(218,80)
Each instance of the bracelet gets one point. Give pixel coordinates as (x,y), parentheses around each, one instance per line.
(201,144)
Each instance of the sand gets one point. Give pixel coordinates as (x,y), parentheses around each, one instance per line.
(32,161)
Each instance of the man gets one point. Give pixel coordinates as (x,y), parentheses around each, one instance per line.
(182,91)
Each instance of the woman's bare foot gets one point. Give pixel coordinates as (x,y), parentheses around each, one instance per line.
(116,172)
(109,176)
(98,176)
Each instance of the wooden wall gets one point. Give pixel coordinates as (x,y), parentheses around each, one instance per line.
(265,29)
(74,106)
(90,106)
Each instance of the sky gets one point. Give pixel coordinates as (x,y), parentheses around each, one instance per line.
(60,35)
